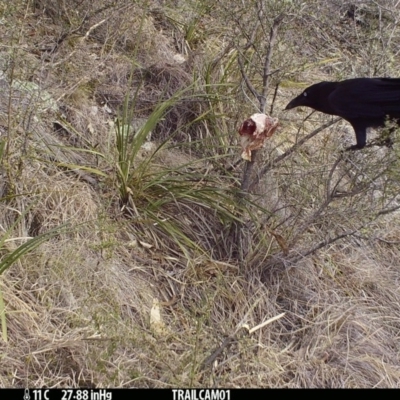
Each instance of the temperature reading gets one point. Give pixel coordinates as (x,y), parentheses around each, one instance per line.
(38,394)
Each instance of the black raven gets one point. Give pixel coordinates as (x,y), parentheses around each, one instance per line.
(364,102)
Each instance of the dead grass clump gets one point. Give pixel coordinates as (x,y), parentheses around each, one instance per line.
(57,199)
(112,88)
(160,82)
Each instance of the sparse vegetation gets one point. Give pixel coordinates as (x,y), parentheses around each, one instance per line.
(137,249)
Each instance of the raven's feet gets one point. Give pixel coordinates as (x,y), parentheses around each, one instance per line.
(354,147)
(385,141)
(382,141)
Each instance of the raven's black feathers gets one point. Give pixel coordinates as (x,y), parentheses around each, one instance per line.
(364,102)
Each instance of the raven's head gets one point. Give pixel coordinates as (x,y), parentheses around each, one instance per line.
(301,100)
(314,96)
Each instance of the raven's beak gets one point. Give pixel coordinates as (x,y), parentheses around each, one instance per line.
(290,105)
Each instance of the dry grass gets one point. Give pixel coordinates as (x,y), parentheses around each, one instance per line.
(146,294)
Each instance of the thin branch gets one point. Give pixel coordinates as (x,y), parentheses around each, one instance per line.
(267,65)
(326,242)
(330,193)
(222,54)
(246,78)
(387,211)
(271,110)
(216,352)
(250,42)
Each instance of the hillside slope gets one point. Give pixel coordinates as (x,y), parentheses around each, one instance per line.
(128,257)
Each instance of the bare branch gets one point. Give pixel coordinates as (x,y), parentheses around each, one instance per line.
(327,242)
(246,78)
(267,65)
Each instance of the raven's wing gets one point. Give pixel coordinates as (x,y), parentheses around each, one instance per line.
(366,98)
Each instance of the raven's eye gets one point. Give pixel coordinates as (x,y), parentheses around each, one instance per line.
(305,94)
